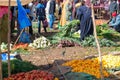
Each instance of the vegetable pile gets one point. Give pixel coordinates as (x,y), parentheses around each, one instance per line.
(87,66)
(107,37)
(4,46)
(40,42)
(65,36)
(104,31)
(68,36)
(17,66)
(20,45)
(90,41)
(111,62)
(67,43)
(32,75)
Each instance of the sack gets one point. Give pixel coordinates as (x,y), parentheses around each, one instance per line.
(45,23)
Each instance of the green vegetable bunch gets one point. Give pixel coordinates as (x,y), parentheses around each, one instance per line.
(90,41)
(66,32)
(17,66)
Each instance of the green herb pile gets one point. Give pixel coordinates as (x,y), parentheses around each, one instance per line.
(17,66)
(90,41)
(107,37)
(66,33)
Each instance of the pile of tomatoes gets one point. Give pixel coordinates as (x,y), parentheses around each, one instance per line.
(32,75)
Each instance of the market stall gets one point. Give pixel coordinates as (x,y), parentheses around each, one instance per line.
(5,18)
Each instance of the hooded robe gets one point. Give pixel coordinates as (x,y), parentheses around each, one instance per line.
(86,26)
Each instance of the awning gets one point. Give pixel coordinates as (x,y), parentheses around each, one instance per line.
(13,2)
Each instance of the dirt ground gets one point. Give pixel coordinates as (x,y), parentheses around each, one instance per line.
(43,57)
(48,56)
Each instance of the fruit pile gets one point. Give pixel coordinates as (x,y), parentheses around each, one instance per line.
(32,75)
(111,62)
(90,66)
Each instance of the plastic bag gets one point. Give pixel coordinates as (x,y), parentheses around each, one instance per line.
(45,23)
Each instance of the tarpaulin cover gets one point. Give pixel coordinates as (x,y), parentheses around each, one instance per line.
(81,76)
(23,19)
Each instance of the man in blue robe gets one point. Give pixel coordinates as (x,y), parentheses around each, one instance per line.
(86,25)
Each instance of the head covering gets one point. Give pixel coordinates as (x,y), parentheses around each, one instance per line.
(30,4)
(114,14)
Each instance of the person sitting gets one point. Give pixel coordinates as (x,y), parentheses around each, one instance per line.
(113,7)
(115,21)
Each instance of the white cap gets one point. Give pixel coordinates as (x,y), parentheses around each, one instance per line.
(30,4)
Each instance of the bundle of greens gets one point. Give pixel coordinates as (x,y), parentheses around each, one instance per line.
(90,41)
(17,66)
(66,33)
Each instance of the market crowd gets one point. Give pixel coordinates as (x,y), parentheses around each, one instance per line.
(45,12)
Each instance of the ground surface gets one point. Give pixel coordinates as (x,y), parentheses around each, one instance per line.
(44,57)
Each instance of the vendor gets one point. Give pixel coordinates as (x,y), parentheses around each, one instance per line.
(84,15)
(115,21)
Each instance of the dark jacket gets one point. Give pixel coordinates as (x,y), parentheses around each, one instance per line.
(52,7)
(86,26)
(40,11)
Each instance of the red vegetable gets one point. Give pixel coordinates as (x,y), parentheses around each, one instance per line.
(32,75)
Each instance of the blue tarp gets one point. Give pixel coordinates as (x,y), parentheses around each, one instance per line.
(23,19)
